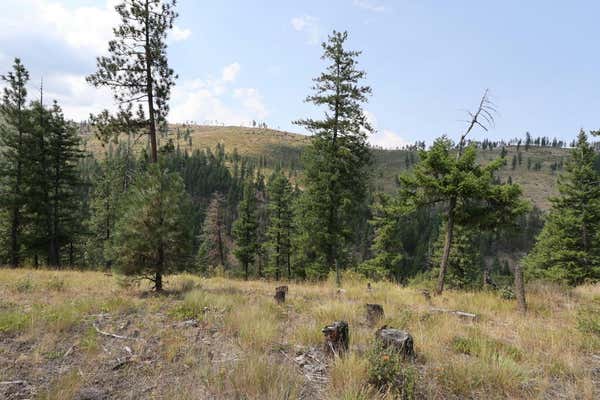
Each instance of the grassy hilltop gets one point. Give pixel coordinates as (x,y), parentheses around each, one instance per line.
(224,339)
(278,146)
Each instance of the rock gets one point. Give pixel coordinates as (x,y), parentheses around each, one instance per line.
(400,341)
(337,338)
(374,313)
(280,293)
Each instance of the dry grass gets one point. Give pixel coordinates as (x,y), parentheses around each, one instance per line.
(243,344)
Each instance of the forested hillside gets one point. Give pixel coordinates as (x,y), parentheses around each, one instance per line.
(536,167)
(140,256)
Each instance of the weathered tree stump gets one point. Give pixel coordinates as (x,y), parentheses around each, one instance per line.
(426,295)
(337,338)
(397,340)
(280,294)
(374,313)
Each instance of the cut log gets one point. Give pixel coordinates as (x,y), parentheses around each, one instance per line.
(374,313)
(461,314)
(396,340)
(337,338)
(280,293)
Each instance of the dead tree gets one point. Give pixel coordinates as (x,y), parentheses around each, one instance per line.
(280,293)
(337,338)
(374,313)
(520,288)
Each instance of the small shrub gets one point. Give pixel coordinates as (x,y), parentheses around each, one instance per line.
(588,320)
(89,341)
(24,285)
(12,321)
(56,283)
(389,373)
(507,293)
(485,348)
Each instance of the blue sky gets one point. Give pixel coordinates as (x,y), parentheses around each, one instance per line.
(427,61)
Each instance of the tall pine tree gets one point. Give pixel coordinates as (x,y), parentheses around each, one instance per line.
(568,248)
(279,230)
(52,185)
(244,228)
(336,162)
(137,69)
(14,153)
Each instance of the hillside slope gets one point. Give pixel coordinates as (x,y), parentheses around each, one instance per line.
(284,147)
(80,335)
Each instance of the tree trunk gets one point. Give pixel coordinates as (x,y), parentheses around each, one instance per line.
(246,269)
(149,89)
(71,255)
(520,288)
(447,245)
(14,238)
(158,283)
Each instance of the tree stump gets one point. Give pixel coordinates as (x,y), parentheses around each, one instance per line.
(280,294)
(426,295)
(374,313)
(337,338)
(397,340)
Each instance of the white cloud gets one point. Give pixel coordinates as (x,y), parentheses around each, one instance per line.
(385,138)
(81,28)
(76,97)
(369,5)
(178,34)
(252,101)
(84,28)
(309,25)
(388,139)
(231,72)
(214,100)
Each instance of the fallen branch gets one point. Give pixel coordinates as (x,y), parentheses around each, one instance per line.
(69,351)
(13,383)
(461,314)
(113,335)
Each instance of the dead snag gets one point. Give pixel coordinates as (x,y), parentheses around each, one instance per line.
(426,295)
(374,313)
(397,340)
(520,288)
(337,338)
(280,292)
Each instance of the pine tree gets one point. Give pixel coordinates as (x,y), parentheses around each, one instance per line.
(53,183)
(244,228)
(468,191)
(111,182)
(14,153)
(568,248)
(336,161)
(137,69)
(213,250)
(153,237)
(279,231)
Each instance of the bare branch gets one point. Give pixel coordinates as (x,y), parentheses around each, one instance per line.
(483,117)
